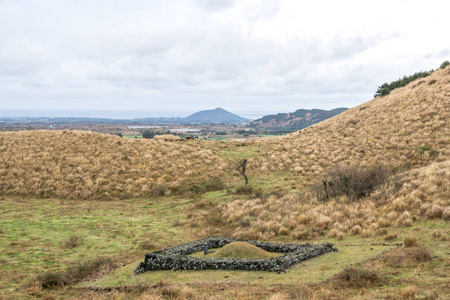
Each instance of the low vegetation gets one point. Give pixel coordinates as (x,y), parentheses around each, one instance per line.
(375,175)
(86,165)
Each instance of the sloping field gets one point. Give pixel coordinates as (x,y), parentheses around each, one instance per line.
(409,127)
(86,165)
(376,174)
(405,135)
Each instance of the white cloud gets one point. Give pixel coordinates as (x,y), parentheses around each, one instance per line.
(243,55)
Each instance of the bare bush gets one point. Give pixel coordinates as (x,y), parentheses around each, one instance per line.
(357,278)
(410,241)
(353,181)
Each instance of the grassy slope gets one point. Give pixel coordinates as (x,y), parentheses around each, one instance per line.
(391,130)
(34,233)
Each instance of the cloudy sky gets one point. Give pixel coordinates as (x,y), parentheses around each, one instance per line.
(173,58)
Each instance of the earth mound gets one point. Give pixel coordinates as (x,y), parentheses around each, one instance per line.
(242,250)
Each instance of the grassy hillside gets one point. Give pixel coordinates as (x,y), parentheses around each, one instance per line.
(406,132)
(78,164)
(376,174)
(297,120)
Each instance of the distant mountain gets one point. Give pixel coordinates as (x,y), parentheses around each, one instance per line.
(297,120)
(218,115)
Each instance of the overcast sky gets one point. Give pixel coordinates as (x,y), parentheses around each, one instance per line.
(173,58)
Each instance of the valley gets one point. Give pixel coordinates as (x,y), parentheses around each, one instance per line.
(80,208)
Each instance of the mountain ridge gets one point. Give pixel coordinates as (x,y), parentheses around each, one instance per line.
(297,120)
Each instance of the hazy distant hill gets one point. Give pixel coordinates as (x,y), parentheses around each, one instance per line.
(218,115)
(297,120)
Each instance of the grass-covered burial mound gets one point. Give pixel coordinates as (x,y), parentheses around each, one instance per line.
(242,250)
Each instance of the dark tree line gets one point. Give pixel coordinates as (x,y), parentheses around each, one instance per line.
(386,88)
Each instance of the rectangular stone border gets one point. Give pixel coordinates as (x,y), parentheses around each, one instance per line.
(176,258)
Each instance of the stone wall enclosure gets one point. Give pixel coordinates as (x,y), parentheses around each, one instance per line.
(176,258)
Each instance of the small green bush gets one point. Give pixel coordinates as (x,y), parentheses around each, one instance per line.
(444,64)
(243,190)
(199,188)
(425,148)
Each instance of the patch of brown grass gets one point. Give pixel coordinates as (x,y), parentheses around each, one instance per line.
(408,292)
(356,278)
(410,241)
(87,165)
(407,257)
(73,274)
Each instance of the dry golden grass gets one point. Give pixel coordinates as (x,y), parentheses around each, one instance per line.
(85,165)
(406,131)
(407,128)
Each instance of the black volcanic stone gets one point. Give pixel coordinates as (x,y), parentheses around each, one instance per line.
(176,258)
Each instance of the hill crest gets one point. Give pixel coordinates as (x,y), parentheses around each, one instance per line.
(297,120)
(218,115)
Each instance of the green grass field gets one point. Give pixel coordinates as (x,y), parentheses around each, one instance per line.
(34,236)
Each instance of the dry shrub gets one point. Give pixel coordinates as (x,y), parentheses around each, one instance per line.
(170,292)
(381,231)
(420,254)
(72,274)
(439,235)
(410,241)
(408,292)
(354,181)
(280,296)
(446,214)
(333,233)
(356,230)
(300,292)
(357,278)
(35,289)
(147,245)
(167,290)
(434,212)
(407,257)
(391,236)
(366,233)
(203,204)
(73,241)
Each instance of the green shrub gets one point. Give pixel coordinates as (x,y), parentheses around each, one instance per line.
(425,148)
(243,190)
(214,185)
(444,64)
(386,88)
